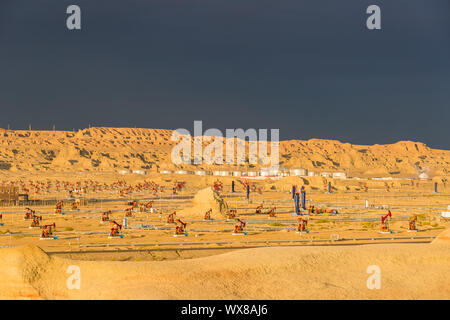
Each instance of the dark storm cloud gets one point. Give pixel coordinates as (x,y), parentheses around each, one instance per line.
(310,68)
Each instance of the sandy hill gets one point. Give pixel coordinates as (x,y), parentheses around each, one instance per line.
(112,149)
(204,200)
(407,272)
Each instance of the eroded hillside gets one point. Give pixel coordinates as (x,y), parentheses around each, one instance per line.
(113,149)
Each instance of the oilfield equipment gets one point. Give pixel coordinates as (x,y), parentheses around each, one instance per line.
(412,224)
(231,214)
(47,231)
(180,228)
(59,206)
(171,217)
(106,215)
(271,212)
(302,225)
(239,227)
(29,213)
(208,215)
(35,221)
(385,223)
(115,230)
(313,218)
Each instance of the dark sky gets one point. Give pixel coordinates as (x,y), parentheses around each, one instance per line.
(310,68)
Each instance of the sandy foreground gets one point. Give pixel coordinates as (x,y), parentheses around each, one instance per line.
(408,271)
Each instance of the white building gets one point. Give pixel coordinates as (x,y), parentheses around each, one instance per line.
(264,173)
(298,172)
(326,174)
(339,175)
(283,172)
(269,172)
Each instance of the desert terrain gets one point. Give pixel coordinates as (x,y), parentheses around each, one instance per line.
(111,149)
(270,259)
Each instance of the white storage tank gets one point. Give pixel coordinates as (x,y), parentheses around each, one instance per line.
(269,172)
(264,173)
(327,174)
(298,172)
(339,175)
